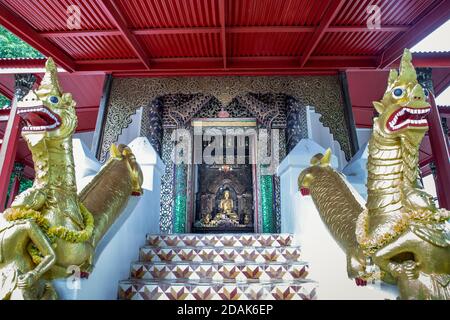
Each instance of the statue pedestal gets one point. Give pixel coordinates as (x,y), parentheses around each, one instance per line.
(326,259)
(121,243)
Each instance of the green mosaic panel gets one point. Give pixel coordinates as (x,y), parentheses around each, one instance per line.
(179,209)
(267,204)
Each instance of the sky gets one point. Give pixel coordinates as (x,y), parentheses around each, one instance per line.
(439,40)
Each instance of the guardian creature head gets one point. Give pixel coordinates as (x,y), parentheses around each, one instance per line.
(47,112)
(404,107)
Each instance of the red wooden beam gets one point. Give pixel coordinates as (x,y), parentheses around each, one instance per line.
(228,72)
(209,30)
(7,92)
(79,33)
(114,13)
(440,86)
(168,31)
(223,34)
(439,147)
(216,63)
(385,28)
(270,29)
(333,8)
(4,116)
(425,170)
(23,30)
(8,152)
(14,191)
(438,15)
(22,63)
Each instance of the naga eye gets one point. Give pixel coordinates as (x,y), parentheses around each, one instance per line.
(54,99)
(398,92)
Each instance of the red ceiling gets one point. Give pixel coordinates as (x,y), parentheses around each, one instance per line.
(188,37)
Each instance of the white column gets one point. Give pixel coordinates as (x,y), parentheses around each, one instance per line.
(120,245)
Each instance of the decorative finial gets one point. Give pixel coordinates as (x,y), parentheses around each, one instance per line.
(407,70)
(49,84)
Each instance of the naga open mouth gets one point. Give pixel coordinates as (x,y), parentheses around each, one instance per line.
(414,117)
(39,119)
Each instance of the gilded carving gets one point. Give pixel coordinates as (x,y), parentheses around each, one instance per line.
(322,92)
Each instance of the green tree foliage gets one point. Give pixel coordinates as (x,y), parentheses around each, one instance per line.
(4,102)
(13,47)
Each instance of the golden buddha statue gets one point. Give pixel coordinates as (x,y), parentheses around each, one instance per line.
(20,278)
(226,207)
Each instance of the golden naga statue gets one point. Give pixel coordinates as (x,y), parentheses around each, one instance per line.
(50,227)
(398,235)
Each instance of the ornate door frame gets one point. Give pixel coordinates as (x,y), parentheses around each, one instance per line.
(223,124)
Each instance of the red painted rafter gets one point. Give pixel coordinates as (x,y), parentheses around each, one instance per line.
(5,91)
(438,15)
(333,8)
(228,72)
(209,30)
(182,63)
(440,86)
(8,152)
(115,14)
(23,30)
(223,34)
(216,63)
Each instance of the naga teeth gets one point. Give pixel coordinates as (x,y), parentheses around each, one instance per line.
(406,122)
(417,111)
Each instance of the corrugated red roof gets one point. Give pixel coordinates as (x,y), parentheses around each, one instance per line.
(139,36)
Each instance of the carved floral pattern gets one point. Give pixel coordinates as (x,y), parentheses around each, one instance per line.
(322,92)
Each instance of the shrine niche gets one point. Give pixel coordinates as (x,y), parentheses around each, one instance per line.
(224,200)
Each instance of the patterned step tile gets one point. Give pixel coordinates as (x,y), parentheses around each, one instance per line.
(178,290)
(220,254)
(219,240)
(219,272)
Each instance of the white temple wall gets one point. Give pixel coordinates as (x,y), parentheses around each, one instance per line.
(86,137)
(121,243)
(323,136)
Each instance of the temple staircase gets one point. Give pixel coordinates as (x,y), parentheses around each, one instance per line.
(218,267)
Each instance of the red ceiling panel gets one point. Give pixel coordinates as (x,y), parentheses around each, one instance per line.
(95,47)
(274,13)
(141,14)
(51,15)
(86,89)
(393,12)
(141,36)
(266,44)
(354,43)
(182,45)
